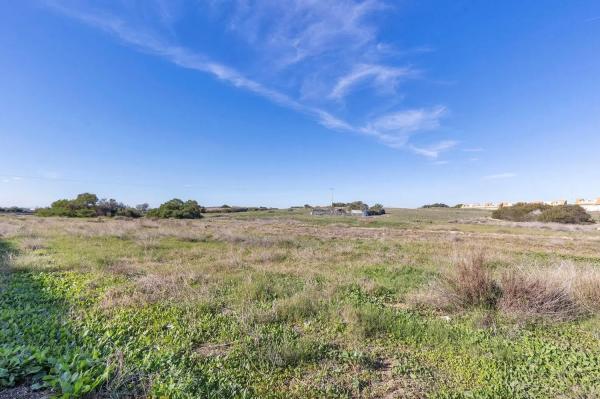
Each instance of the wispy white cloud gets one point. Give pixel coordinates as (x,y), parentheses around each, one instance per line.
(10,179)
(434,150)
(304,30)
(394,129)
(499,176)
(294,31)
(383,77)
(477,149)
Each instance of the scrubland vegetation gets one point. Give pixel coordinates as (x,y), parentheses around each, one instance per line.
(436,205)
(441,303)
(524,212)
(88,205)
(14,209)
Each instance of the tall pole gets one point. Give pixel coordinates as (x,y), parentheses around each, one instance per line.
(331,188)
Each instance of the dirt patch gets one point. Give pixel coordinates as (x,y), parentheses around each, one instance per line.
(212,350)
(23,392)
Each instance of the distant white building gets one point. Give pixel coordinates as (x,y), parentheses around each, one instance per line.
(556,203)
(359,212)
(338,211)
(589,205)
(485,205)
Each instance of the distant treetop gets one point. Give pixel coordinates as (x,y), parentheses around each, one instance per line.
(88,205)
(436,205)
(177,209)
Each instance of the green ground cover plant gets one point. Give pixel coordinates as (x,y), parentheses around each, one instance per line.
(259,305)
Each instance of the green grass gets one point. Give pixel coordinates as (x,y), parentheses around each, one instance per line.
(254,306)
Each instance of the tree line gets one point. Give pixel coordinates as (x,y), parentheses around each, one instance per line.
(88,205)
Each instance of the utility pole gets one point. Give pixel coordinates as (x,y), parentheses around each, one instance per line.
(331,189)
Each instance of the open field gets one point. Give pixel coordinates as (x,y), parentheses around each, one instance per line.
(281,304)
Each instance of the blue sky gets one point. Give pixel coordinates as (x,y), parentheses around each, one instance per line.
(277,102)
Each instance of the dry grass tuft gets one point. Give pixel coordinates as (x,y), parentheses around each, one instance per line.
(468,284)
(586,290)
(368,321)
(33,243)
(530,296)
(553,293)
(153,288)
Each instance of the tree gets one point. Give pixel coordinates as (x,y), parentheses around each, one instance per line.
(142,208)
(129,212)
(177,209)
(436,205)
(88,205)
(108,207)
(376,209)
(85,200)
(571,214)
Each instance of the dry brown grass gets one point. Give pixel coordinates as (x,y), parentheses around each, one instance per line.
(557,292)
(335,253)
(586,290)
(154,288)
(466,285)
(527,296)
(32,243)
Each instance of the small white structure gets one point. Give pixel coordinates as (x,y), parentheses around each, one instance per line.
(485,205)
(358,212)
(589,205)
(556,203)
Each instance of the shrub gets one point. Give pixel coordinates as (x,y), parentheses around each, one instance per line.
(551,293)
(177,209)
(299,307)
(356,205)
(282,349)
(528,296)
(520,212)
(109,207)
(571,214)
(82,206)
(436,205)
(87,205)
(586,289)
(368,320)
(523,212)
(376,209)
(142,208)
(14,209)
(129,212)
(470,284)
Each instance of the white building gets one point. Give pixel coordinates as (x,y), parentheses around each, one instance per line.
(485,205)
(589,205)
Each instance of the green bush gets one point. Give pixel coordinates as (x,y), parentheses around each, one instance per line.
(356,205)
(177,209)
(436,205)
(520,212)
(14,209)
(376,209)
(572,214)
(85,205)
(129,212)
(88,205)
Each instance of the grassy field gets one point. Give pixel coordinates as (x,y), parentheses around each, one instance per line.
(417,303)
